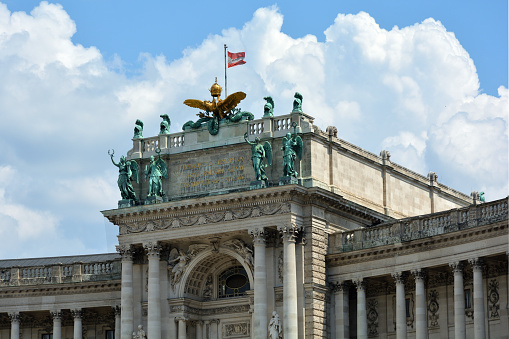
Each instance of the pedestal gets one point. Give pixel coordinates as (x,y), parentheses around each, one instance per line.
(124,203)
(254,185)
(288,180)
(153,200)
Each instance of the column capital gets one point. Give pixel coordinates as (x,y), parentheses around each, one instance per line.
(360,284)
(15,317)
(184,319)
(339,286)
(259,235)
(126,251)
(476,263)
(56,314)
(153,249)
(289,232)
(77,313)
(399,277)
(457,267)
(117,309)
(214,321)
(419,274)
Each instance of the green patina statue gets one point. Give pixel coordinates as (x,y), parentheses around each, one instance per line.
(154,172)
(268,108)
(481,197)
(260,152)
(292,148)
(165,124)
(127,171)
(297,103)
(138,129)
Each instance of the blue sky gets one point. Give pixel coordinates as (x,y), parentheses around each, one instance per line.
(426,81)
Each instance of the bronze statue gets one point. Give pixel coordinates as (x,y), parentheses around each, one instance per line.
(297,103)
(268,108)
(138,129)
(154,172)
(292,148)
(260,152)
(127,171)
(165,124)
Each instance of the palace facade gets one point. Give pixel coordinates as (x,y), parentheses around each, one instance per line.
(358,247)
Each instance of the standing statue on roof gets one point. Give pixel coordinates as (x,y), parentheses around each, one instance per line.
(127,171)
(297,103)
(260,152)
(292,148)
(268,108)
(138,129)
(154,172)
(165,124)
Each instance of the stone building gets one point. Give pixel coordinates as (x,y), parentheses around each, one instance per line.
(359,247)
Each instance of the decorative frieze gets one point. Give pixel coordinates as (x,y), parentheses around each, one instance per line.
(493,299)
(372,317)
(235,330)
(433,308)
(211,311)
(168,222)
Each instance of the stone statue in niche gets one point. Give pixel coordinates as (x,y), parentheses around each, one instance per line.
(260,152)
(297,103)
(127,171)
(275,330)
(292,149)
(165,124)
(138,129)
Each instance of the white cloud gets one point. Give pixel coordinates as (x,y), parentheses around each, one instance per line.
(413,90)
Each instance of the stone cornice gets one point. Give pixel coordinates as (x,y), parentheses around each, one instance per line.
(60,289)
(420,245)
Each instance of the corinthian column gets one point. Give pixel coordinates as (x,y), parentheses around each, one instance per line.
(479,315)
(459,301)
(341,309)
(78,328)
(421,327)
(15,320)
(57,324)
(399,278)
(154,296)
(260,284)
(126,292)
(290,319)
(362,321)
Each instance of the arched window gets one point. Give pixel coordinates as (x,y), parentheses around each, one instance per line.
(233,282)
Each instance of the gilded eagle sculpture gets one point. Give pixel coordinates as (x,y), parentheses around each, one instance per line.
(217,109)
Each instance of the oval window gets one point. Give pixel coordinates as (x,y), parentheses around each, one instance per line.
(236,281)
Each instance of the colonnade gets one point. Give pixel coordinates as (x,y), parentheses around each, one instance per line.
(342,306)
(56,316)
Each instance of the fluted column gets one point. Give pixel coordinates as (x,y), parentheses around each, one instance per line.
(459,301)
(116,310)
(78,328)
(57,324)
(290,317)
(260,284)
(15,320)
(126,293)
(153,250)
(362,321)
(421,326)
(341,309)
(182,327)
(399,279)
(479,314)
(206,327)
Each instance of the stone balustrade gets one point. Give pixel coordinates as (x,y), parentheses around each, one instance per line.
(420,227)
(58,273)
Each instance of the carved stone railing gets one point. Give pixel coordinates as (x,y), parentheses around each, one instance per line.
(58,273)
(419,227)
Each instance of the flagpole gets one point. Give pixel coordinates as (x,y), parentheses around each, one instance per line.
(225,79)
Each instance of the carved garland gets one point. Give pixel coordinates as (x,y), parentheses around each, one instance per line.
(205,218)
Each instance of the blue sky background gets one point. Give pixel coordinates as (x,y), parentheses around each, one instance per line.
(76,76)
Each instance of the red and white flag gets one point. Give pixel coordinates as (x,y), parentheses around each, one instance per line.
(235,59)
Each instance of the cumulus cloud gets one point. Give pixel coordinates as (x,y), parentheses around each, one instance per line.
(412,90)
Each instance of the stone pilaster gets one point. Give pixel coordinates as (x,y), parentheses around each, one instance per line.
(362,321)
(290,316)
(153,250)
(260,284)
(400,279)
(57,324)
(182,327)
(78,325)
(341,310)
(459,301)
(479,312)
(116,310)
(214,329)
(126,293)
(15,318)
(199,329)
(421,327)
